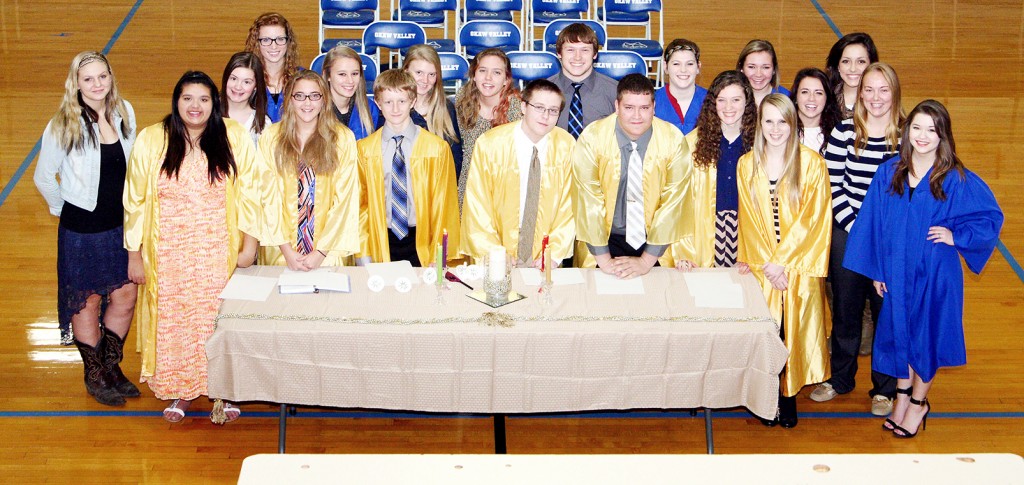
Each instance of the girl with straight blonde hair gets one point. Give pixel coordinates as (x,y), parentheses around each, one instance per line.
(87,144)
(432,111)
(308,176)
(343,72)
(784,233)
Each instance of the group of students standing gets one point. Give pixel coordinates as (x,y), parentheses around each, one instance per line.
(285,166)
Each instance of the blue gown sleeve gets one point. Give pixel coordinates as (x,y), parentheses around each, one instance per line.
(456,144)
(863,246)
(974,218)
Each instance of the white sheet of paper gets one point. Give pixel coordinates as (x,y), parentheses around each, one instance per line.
(706,279)
(607,284)
(245,287)
(719,296)
(320,280)
(394,270)
(559,276)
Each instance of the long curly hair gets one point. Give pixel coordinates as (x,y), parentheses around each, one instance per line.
(258,98)
(467,103)
(321,150)
(896,116)
(709,124)
(73,112)
(359,99)
(830,113)
(946,159)
(291,55)
(438,121)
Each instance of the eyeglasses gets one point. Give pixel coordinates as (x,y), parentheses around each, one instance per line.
(266,41)
(300,97)
(541,110)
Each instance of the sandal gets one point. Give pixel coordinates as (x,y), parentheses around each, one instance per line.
(901,432)
(889,424)
(175,413)
(224,412)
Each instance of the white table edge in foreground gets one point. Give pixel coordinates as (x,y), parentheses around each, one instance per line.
(954,468)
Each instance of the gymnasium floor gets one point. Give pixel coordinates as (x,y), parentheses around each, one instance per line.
(966,54)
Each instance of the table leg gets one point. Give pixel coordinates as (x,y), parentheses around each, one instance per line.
(709,434)
(281,427)
(499,434)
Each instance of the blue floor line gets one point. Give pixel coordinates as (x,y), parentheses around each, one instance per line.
(35,148)
(828,20)
(407,415)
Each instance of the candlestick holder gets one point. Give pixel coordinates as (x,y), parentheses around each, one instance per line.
(497,286)
(545,294)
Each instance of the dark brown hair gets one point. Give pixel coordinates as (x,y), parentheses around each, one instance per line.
(946,159)
(709,125)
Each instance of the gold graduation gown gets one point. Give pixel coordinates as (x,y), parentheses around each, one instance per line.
(434,194)
(700,249)
(491,211)
(803,250)
(336,208)
(141,218)
(666,185)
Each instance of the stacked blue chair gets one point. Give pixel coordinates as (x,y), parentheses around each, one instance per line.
(477,35)
(493,10)
(552,30)
(345,15)
(636,13)
(530,65)
(543,12)
(429,14)
(454,70)
(393,35)
(617,64)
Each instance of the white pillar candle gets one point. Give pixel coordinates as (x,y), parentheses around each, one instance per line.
(496,265)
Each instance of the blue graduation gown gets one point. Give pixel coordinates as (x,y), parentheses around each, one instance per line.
(664,111)
(455,144)
(921,323)
(355,122)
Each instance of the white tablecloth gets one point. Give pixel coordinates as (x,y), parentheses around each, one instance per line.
(417,352)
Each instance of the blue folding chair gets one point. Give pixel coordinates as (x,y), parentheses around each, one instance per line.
(478,35)
(429,14)
(317,65)
(454,70)
(556,27)
(370,71)
(617,64)
(392,35)
(493,10)
(530,65)
(636,13)
(543,12)
(345,15)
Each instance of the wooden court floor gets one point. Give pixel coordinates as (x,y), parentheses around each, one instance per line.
(968,55)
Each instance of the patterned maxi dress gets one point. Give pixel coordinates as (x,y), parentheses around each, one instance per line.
(191,251)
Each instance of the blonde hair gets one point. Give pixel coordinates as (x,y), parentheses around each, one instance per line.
(359,102)
(291,55)
(396,80)
(438,121)
(67,124)
(789,182)
(321,150)
(896,115)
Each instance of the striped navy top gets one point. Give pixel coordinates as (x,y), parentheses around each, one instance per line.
(850,171)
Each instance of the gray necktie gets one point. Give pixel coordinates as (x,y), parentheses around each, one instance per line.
(527,228)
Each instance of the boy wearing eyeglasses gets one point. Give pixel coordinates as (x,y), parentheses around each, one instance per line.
(519,189)
(409,194)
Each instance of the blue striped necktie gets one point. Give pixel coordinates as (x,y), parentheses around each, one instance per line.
(576,111)
(399,192)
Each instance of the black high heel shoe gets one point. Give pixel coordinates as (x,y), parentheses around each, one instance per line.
(897,430)
(889,424)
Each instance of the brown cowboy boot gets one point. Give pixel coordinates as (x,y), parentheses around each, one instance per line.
(97,381)
(112,356)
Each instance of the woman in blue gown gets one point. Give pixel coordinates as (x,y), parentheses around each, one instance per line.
(909,239)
